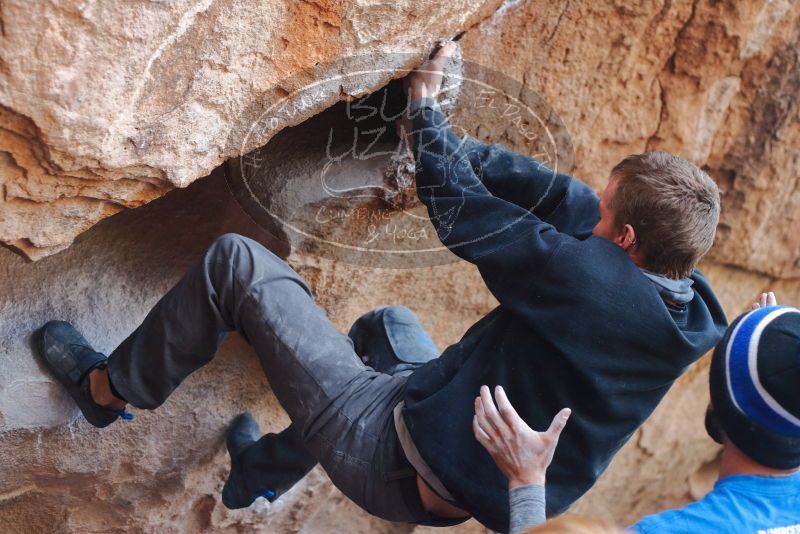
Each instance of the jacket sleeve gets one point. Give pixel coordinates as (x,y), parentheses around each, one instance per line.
(505,241)
(565,202)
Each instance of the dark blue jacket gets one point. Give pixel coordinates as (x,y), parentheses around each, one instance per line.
(578,324)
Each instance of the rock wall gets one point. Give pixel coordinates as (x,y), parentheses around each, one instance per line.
(107,106)
(106,109)
(715,82)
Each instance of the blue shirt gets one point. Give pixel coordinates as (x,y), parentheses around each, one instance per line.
(740,503)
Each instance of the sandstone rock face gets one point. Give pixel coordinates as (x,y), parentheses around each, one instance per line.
(714,82)
(109,109)
(104,107)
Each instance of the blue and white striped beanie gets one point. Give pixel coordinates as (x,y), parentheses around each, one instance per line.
(755,385)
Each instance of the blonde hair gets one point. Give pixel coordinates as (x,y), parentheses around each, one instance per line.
(673,207)
(575,524)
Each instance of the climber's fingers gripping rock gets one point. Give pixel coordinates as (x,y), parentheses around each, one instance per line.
(426,80)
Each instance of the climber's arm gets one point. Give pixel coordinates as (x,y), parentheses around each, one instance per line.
(505,241)
(501,238)
(565,202)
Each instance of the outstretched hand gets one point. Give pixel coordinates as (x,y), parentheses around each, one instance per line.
(767,299)
(521,453)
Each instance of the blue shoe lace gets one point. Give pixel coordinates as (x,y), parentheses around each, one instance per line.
(123,414)
(267,494)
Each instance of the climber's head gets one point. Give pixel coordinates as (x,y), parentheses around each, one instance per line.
(662,210)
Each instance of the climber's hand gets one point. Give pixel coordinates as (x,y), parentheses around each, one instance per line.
(426,80)
(767,299)
(521,453)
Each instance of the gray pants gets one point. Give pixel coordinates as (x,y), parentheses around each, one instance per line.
(343,407)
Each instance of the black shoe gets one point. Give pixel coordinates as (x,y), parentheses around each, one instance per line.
(70,358)
(267,467)
(242,433)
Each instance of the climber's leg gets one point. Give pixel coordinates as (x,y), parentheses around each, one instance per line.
(263,467)
(240,285)
(393,341)
(72,361)
(343,407)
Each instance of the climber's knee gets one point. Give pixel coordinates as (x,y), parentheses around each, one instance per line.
(250,260)
(399,313)
(237,249)
(366,323)
(226,246)
(374,319)
(372,324)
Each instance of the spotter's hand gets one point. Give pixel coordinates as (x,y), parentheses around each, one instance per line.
(521,453)
(767,299)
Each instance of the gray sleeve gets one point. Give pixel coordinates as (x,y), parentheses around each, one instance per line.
(527,507)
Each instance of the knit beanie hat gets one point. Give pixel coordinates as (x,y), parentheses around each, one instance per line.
(755,385)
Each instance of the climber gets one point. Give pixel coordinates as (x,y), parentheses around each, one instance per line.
(600,310)
(754,413)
